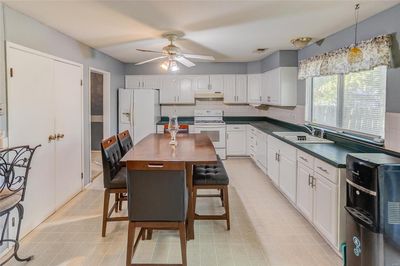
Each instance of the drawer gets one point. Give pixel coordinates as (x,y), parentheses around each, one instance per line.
(251,129)
(328,171)
(288,151)
(235,127)
(305,158)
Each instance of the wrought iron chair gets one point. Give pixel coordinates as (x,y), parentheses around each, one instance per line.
(14,168)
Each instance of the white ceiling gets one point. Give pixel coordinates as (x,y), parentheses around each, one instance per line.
(228,30)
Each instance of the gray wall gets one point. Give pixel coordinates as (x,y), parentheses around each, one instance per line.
(386,22)
(28,32)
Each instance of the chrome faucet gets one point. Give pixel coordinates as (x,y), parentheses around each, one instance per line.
(309,128)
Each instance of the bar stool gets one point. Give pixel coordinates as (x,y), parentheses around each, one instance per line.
(157,199)
(212,177)
(114,180)
(15,164)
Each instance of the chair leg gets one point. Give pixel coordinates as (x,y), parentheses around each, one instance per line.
(105,211)
(129,246)
(149,234)
(182,235)
(221,195)
(20,209)
(194,199)
(226,205)
(116,206)
(121,195)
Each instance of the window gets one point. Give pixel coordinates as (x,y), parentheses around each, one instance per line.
(354,102)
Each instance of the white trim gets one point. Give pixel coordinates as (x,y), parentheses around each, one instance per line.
(106,109)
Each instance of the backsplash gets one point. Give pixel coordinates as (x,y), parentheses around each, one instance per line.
(292,115)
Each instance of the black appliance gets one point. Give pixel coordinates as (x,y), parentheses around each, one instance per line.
(373,210)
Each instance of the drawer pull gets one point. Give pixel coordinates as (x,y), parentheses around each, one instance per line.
(304,159)
(150,165)
(322,169)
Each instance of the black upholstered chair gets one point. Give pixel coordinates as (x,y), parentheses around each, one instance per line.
(125,142)
(157,199)
(114,180)
(212,176)
(15,164)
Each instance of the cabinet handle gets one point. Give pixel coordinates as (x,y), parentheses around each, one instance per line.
(304,159)
(314,182)
(59,136)
(309,180)
(227,135)
(279,157)
(52,137)
(322,169)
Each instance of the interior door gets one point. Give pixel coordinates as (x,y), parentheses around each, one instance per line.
(304,191)
(67,85)
(31,121)
(241,88)
(229,89)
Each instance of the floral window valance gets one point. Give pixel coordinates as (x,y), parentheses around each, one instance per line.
(376,52)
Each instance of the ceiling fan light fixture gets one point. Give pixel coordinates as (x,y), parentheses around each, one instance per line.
(301,42)
(173,66)
(165,65)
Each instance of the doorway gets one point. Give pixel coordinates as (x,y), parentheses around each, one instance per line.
(99,117)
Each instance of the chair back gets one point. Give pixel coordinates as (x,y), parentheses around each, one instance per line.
(157,191)
(111,156)
(15,164)
(125,142)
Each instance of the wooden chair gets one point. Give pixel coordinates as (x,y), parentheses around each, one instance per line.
(114,180)
(157,199)
(211,177)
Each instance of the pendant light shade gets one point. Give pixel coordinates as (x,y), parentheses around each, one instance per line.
(355,54)
(170,65)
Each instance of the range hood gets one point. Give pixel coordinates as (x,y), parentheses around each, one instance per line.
(208,95)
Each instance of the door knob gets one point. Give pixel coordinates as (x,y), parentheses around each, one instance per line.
(59,136)
(52,137)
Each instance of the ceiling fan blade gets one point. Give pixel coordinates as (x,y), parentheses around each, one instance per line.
(185,61)
(148,51)
(197,56)
(153,59)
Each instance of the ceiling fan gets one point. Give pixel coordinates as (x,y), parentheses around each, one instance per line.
(173,54)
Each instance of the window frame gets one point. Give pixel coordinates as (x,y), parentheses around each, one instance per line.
(379,140)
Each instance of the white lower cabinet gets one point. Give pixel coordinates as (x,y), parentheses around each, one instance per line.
(235,140)
(251,142)
(261,150)
(317,198)
(325,207)
(273,162)
(287,176)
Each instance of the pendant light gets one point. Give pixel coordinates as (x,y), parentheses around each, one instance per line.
(355,55)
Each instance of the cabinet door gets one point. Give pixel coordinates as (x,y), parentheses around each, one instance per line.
(236,143)
(287,176)
(186,93)
(67,85)
(201,82)
(265,87)
(305,192)
(274,89)
(230,89)
(261,149)
(273,165)
(133,81)
(217,83)
(241,88)
(325,208)
(170,90)
(253,88)
(152,82)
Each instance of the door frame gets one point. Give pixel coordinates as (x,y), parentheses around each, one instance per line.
(106,109)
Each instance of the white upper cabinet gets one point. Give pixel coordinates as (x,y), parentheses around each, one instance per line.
(254,88)
(279,86)
(241,88)
(201,82)
(186,92)
(229,88)
(216,83)
(177,90)
(235,89)
(143,82)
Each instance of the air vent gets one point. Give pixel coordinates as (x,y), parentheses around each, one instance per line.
(393,212)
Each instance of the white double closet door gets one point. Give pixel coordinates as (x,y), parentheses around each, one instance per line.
(45,99)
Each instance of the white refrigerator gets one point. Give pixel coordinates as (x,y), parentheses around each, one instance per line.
(138,111)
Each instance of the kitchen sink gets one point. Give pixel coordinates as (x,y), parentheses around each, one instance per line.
(302,137)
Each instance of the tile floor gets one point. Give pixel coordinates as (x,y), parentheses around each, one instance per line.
(265,230)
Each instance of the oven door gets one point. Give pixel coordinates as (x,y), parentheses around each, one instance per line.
(215,133)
